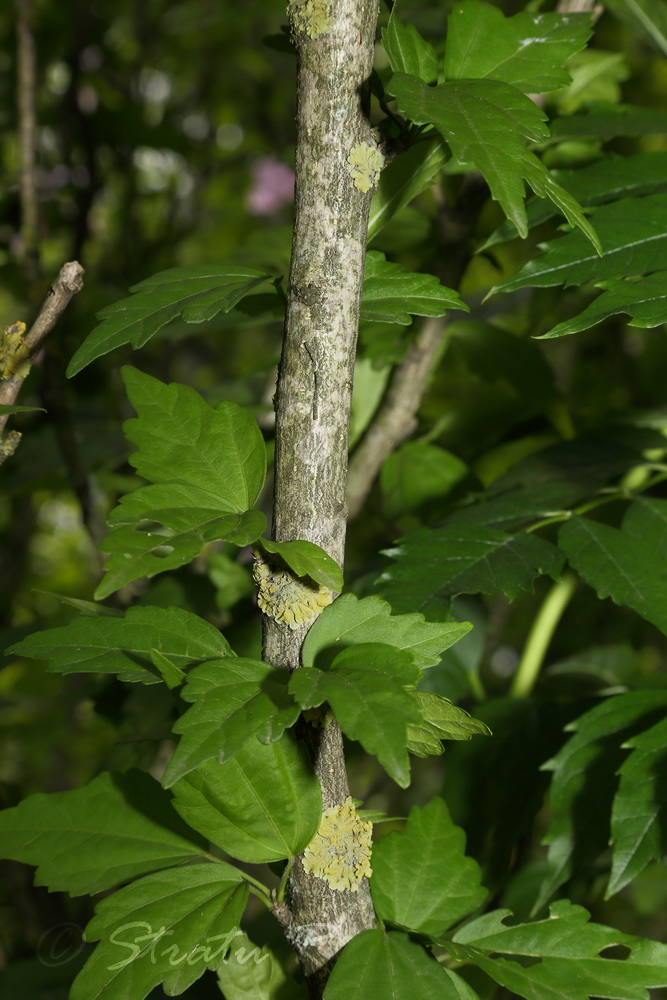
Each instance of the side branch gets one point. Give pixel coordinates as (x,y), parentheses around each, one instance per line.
(66,285)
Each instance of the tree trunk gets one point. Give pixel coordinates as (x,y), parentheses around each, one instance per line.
(335,50)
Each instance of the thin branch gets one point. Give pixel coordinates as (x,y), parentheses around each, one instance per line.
(27,124)
(66,285)
(397,417)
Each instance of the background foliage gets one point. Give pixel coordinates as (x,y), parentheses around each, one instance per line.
(166,135)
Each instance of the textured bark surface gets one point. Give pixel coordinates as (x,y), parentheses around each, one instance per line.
(314,390)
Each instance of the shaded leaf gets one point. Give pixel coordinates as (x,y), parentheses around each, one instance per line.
(375,963)
(408,174)
(432,564)
(644,302)
(527,50)
(392,295)
(486,124)
(233,701)
(350,621)
(626,564)
(6,408)
(648,17)
(366,688)
(123,645)
(585,780)
(257,973)
(545,186)
(307,559)
(407,51)
(633,233)
(444,885)
(639,811)
(568,950)
(415,473)
(85,841)
(197,293)
(265,804)
(620,119)
(167,928)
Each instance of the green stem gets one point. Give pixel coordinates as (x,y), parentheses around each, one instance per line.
(540,635)
(283,882)
(258,888)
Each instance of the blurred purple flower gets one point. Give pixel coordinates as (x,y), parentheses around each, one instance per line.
(272,186)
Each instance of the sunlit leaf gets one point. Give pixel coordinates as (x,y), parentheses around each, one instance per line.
(392,295)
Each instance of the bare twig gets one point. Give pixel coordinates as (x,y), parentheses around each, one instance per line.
(66,285)
(396,419)
(27,121)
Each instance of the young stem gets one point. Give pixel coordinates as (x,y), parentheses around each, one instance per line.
(540,635)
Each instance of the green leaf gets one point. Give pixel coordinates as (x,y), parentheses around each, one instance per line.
(625,564)
(564,956)
(85,841)
(644,301)
(375,963)
(444,885)
(638,814)
(167,928)
(408,174)
(441,720)
(621,119)
(605,180)
(633,234)
(392,296)
(182,439)
(486,124)
(182,507)
(407,51)
(171,675)
(544,186)
(146,549)
(349,621)
(6,409)
(307,559)
(366,688)
(648,17)
(233,701)
(196,293)
(265,804)
(585,780)
(436,563)
(527,50)
(252,972)
(415,473)
(85,607)
(123,645)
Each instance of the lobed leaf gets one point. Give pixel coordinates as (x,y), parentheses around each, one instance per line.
(233,701)
(584,782)
(407,51)
(432,564)
(366,687)
(392,296)
(88,840)
(441,720)
(166,929)
(444,885)
(263,805)
(643,300)
(307,559)
(527,50)
(349,621)
(123,645)
(563,956)
(197,293)
(626,564)
(257,973)
(486,124)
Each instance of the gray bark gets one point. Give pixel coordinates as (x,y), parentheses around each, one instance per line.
(314,391)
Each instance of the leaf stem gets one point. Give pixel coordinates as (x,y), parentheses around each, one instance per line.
(280,896)
(540,635)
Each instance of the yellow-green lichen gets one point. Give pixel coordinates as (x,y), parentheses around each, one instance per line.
(287,599)
(364,164)
(340,851)
(310,16)
(14,355)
